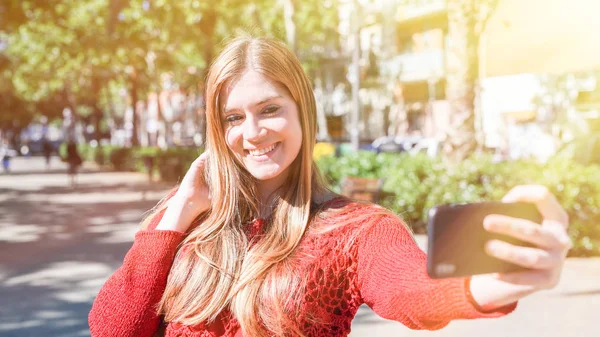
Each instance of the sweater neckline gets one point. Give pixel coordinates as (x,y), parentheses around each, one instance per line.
(256,225)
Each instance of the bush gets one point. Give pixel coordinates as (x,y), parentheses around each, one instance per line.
(173,163)
(114,157)
(577,189)
(414,184)
(121,158)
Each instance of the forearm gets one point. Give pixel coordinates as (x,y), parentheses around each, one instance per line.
(125,306)
(490,293)
(393,281)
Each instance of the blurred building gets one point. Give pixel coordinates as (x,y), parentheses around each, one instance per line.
(544,90)
(404,66)
(420,62)
(587,105)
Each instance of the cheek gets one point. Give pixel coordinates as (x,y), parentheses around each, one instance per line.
(296,132)
(233,138)
(290,131)
(278,125)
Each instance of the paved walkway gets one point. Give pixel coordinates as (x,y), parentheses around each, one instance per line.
(58,245)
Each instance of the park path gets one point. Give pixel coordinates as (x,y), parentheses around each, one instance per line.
(58,245)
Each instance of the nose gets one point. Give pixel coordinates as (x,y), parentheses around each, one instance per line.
(253,131)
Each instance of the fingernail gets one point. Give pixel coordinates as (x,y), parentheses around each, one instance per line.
(487,223)
(508,198)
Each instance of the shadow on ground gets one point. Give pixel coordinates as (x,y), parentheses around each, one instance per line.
(54,171)
(57,247)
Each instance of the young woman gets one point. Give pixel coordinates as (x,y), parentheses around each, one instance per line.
(252,243)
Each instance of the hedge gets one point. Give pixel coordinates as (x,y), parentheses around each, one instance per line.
(414,184)
(171,164)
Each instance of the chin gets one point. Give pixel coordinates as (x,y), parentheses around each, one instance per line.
(264,173)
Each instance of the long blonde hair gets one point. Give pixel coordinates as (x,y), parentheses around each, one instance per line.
(216,268)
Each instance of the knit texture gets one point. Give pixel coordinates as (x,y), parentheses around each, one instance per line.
(373,260)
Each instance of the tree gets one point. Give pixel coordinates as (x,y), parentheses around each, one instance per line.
(466,22)
(55,52)
(85,54)
(289,9)
(17,108)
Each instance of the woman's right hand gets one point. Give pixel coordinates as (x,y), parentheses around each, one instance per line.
(191,199)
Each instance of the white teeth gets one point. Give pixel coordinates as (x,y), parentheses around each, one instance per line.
(260,152)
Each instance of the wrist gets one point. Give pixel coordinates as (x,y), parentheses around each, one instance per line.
(178,216)
(488,293)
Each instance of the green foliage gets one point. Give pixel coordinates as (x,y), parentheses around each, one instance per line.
(171,163)
(414,184)
(358,164)
(82,54)
(114,157)
(121,159)
(577,188)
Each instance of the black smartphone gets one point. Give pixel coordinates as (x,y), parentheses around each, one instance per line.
(456,238)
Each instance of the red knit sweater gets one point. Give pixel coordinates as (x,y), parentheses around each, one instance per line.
(383,268)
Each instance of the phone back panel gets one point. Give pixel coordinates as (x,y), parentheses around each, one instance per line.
(456,238)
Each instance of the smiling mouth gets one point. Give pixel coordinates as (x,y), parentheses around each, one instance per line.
(263,151)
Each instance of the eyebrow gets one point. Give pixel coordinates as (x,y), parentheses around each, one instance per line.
(263,101)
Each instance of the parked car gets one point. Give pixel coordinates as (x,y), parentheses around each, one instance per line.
(35,147)
(411,144)
(31,140)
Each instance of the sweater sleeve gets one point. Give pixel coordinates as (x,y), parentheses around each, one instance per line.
(393,281)
(126,304)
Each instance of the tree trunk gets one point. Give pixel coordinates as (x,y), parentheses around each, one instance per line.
(135,141)
(289,9)
(462,79)
(200,113)
(97,122)
(98,114)
(207,27)
(322,133)
(162,134)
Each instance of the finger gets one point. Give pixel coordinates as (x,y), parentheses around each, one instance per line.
(545,201)
(521,229)
(198,163)
(536,278)
(201,160)
(560,233)
(195,167)
(527,257)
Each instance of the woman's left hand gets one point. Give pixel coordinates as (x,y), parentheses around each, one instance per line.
(550,239)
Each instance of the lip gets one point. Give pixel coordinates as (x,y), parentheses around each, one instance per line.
(263,157)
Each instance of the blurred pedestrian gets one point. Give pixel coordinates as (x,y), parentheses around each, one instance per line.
(6,153)
(47,150)
(74,160)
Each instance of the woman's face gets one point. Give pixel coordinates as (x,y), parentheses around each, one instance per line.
(262,126)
